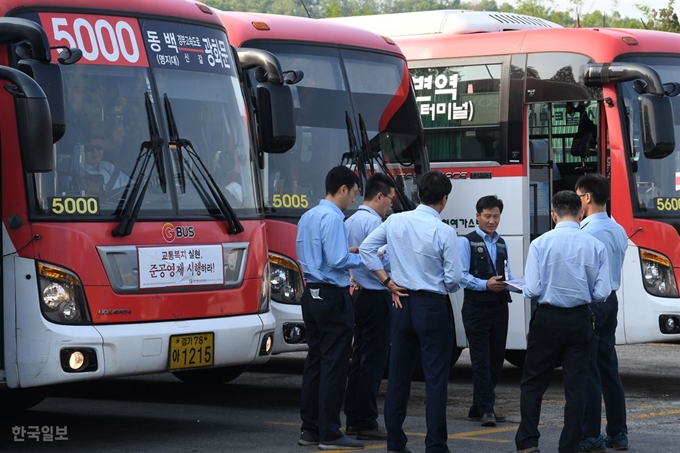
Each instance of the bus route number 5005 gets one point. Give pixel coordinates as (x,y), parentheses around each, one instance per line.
(290,201)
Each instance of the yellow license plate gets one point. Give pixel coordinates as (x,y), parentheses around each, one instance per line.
(192,351)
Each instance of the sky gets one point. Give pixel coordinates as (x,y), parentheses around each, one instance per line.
(625,7)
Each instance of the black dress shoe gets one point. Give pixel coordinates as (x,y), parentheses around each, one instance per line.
(307,438)
(405,450)
(378,433)
(489,419)
(499,418)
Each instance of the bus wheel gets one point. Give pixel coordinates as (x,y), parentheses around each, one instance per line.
(21,399)
(210,376)
(515,357)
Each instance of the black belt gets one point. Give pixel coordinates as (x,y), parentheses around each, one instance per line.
(561,308)
(361,288)
(325,285)
(423,293)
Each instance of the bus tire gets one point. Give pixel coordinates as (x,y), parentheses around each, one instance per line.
(516,357)
(21,399)
(210,376)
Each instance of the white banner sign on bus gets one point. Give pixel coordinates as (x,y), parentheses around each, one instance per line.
(179,265)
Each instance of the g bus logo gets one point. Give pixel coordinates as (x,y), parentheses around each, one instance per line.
(170,232)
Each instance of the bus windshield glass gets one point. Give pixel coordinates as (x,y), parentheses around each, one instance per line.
(656,182)
(107,148)
(339,84)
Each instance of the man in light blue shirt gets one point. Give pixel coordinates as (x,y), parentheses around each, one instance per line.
(325,258)
(603,375)
(372,303)
(484,257)
(425,266)
(566,269)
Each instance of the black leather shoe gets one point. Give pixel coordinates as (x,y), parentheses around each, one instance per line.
(378,433)
(499,418)
(306,439)
(350,430)
(405,450)
(343,443)
(489,419)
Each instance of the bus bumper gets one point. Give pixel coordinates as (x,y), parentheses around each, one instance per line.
(137,349)
(290,328)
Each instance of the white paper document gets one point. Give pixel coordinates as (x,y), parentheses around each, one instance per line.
(516,285)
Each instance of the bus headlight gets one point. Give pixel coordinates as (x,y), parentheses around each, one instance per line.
(286,279)
(62,299)
(657,274)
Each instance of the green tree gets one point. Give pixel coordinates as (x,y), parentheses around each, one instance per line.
(483,5)
(665,19)
(535,8)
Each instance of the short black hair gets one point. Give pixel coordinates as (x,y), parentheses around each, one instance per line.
(566,203)
(596,185)
(433,186)
(378,183)
(489,202)
(340,176)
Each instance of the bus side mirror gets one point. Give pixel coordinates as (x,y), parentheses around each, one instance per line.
(34,121)
(276,118)
(657,124)
(48,76)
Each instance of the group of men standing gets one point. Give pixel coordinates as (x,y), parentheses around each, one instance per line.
(409,309)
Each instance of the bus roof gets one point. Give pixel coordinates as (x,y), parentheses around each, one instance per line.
(185,9)
(601,44)
(240,29)
(447,21)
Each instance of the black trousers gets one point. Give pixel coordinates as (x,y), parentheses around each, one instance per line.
(329,320)
(486,328)
(603,374)
(425,324)
(370,350)
(555,334)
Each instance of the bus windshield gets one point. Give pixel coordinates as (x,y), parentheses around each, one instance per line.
(338,84)
(656,182)
(110,130)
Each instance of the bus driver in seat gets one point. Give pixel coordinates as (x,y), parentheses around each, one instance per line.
(95,175)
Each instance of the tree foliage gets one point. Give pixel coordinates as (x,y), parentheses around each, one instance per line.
(664,19)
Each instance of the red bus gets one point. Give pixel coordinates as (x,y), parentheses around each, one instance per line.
(133,237)
(520,107)
(354,105)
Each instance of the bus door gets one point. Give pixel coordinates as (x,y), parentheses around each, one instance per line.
(562,146)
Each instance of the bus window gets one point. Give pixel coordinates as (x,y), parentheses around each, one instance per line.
(460,110)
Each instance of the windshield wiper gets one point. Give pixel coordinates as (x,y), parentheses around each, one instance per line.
(355,157)
(152,148)
(379,158)
(233,224)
